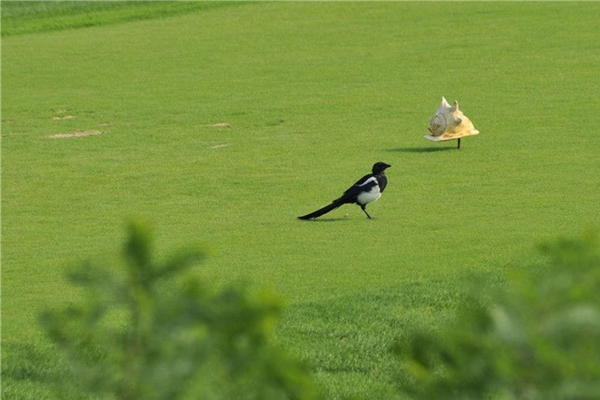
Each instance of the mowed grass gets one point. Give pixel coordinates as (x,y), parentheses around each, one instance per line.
(21,17)
(222,125)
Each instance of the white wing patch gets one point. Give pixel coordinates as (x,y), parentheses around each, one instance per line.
(371,179)
(370,196)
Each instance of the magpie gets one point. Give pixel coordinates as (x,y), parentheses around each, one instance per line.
(365,191)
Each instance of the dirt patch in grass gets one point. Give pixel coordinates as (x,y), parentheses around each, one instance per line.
(220,125)
(59,118)
(60,114)
(218,146)
(75,134)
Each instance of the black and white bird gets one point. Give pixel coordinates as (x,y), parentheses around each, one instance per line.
(365,191)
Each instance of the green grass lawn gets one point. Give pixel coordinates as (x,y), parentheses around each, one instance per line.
(220,125)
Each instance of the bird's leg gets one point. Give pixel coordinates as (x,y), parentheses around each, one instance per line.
(365,210)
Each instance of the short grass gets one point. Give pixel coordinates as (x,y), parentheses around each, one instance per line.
(222,125)
(21,17)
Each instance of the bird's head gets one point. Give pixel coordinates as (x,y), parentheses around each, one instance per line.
(379,167)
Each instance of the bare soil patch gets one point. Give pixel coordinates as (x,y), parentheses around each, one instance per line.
(75,134)
(221,146)
(220,125)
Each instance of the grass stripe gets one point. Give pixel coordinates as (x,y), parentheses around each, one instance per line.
(23,17)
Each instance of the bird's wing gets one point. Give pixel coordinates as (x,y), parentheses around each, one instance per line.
(364,184)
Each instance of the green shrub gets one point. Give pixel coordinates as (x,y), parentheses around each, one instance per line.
(158,332)
(537,338)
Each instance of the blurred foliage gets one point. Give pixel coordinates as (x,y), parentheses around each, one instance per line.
(538,338)
(152,331)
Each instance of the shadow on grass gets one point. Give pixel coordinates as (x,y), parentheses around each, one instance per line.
(325,220)
(420,149)
(29,369)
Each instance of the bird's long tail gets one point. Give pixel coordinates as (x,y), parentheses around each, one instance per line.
(321,211)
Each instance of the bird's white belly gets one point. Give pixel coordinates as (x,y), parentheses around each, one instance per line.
(370,196)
